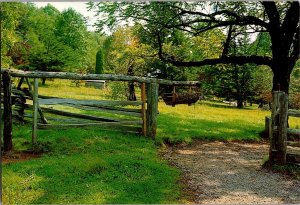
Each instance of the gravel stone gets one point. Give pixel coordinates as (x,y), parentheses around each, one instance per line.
(231,173)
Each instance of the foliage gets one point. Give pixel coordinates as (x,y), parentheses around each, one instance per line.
(118,90)
(46,39)
(164,19)
(99,62)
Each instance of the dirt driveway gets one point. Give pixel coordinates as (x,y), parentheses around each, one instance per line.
(231,173)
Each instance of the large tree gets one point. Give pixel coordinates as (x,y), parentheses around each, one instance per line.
(279,19)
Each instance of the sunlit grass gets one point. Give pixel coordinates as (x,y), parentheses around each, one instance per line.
(212,121)
(92,165)
(89,166)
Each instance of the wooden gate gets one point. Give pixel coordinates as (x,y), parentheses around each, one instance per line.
(142,119)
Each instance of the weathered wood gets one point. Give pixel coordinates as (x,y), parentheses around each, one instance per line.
(119,112)
(7,113)
(77,115)
(278,139)
(152,108)
(116,108)
(84,124)
(1,107)
(107,103)
(43,118)
(267,125)
(144,117)
(294,113)
(293,144)
(293,157)
(35,110)
(20,83)
(76,76)
(293,134)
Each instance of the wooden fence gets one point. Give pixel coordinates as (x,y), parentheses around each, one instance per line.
(142,118)
(284,141)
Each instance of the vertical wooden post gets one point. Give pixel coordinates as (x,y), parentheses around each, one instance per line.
(43,119)
(7,113)
(278,131)
(152,108)
(35,110)
(173,96)
(143,97)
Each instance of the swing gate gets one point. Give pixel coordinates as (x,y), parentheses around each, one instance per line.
(130,116)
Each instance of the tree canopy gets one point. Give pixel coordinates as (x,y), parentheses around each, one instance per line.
(280,20)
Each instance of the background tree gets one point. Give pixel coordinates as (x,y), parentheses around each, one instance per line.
(127,55)
(99,62)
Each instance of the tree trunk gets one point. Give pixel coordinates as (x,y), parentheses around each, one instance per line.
(131,90)
(240,103)
(281,80)
(43,81)
(281,77)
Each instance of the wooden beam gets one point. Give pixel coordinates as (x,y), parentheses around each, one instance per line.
(43,119)
(294,113)
(77,115)
(119,112)
(152,108)
(35,110)
(76,76)
(293,144)
(144,117)
(54,101)
(7,113)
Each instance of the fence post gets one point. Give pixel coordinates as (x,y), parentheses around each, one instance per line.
(7,112)
(278,132)
(35,110)
(144,117)
(152,108)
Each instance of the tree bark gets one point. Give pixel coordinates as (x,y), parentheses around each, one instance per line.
(281,75)
(43,81)
(240,103)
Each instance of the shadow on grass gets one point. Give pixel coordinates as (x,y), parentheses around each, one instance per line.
(176,129)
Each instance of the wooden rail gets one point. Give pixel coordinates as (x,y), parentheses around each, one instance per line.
(76,76)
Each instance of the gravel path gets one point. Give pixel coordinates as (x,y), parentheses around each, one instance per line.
(231,173)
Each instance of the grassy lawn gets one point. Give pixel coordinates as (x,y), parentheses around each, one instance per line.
(91,165)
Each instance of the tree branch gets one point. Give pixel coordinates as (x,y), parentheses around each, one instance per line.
(239,60)
(290,23)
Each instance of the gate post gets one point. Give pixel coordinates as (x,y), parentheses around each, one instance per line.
(278,131)
(144,117)
(152,108)
(35,110)
(7,113)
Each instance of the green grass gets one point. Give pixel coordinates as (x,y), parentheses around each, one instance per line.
(212,121)
(90,165)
